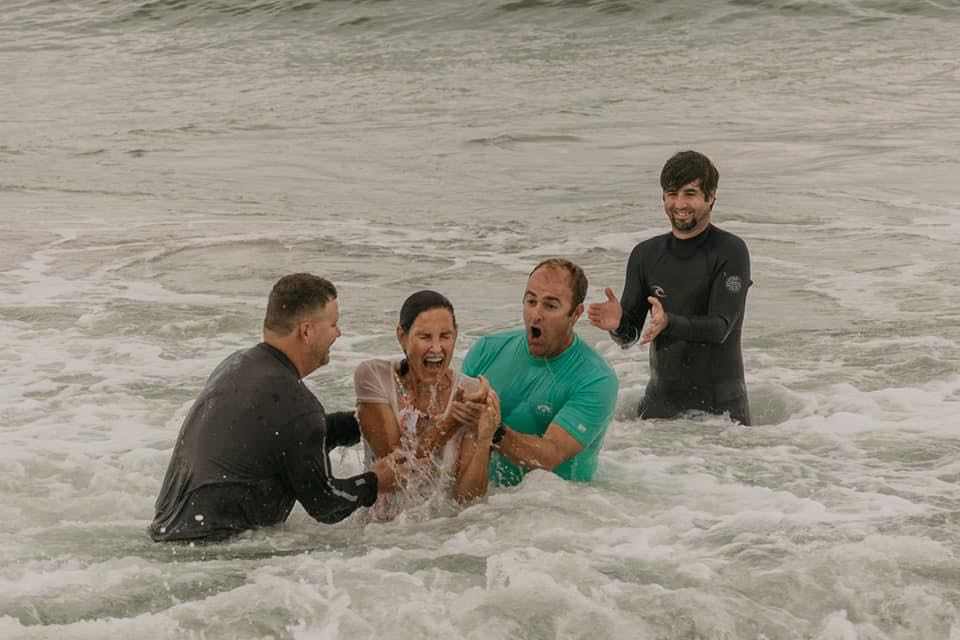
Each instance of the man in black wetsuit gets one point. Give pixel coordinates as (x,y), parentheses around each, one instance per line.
(256,440)
(693,282)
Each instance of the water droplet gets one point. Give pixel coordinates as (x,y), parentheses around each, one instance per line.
(198,517)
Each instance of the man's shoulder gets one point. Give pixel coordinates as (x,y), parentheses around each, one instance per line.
(264,357)
(244,364)
(255,352)
(658,240)
(722,237)
(256,382)
(493,349)
(593,364)
(647,250)
(498,340)
(589,383)
(267,374)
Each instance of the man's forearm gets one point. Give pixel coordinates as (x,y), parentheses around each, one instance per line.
(714,328)
(531,452)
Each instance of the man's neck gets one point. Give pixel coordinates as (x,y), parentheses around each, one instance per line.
(561,351)
(287,347)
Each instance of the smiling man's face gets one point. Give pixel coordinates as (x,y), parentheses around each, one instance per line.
(688,209)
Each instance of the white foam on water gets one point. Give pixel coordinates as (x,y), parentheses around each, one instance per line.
(141,240)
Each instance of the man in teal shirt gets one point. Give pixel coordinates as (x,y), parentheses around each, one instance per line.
(557,395)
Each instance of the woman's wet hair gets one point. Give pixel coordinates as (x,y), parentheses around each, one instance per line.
(416,304)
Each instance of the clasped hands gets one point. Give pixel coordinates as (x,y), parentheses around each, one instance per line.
(478,410)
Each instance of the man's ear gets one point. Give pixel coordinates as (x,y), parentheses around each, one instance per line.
(711,199)
(577,312)
(304,330)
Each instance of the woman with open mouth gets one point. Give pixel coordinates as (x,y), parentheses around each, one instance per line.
(419,405)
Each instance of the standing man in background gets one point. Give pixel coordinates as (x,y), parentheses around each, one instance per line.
(693,283)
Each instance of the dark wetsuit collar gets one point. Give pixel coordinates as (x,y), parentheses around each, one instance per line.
(686,247)
(281,356)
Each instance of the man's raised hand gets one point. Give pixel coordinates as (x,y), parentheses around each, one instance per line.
(607,314)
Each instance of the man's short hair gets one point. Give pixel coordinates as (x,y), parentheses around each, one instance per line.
(576,277)
(686,167)
(294,296)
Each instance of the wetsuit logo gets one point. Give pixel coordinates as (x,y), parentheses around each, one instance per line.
(658,291)
(734,284)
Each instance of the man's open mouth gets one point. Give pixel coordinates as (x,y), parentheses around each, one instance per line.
(535,332)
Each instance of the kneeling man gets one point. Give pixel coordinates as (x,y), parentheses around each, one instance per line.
(257,440)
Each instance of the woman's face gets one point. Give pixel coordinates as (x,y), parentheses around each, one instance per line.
(429,344)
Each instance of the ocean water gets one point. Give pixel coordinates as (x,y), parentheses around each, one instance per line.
(163,162)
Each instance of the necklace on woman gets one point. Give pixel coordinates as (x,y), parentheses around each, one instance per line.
(432,414)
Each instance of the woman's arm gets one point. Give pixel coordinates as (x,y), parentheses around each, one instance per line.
(474,459)
(433,440)
(379,427)
(465,410)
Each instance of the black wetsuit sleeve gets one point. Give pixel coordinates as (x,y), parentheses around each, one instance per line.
(633,302)
(306,467)
(343,430)
(728,296)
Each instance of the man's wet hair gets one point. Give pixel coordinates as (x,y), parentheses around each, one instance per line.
(686,167)
(294,296)
(416,304)
(576,277)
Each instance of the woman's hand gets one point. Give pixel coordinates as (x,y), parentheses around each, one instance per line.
(489,418)
(480,393)
(466,408)
(464,413)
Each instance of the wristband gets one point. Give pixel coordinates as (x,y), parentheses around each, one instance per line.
(498,434)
